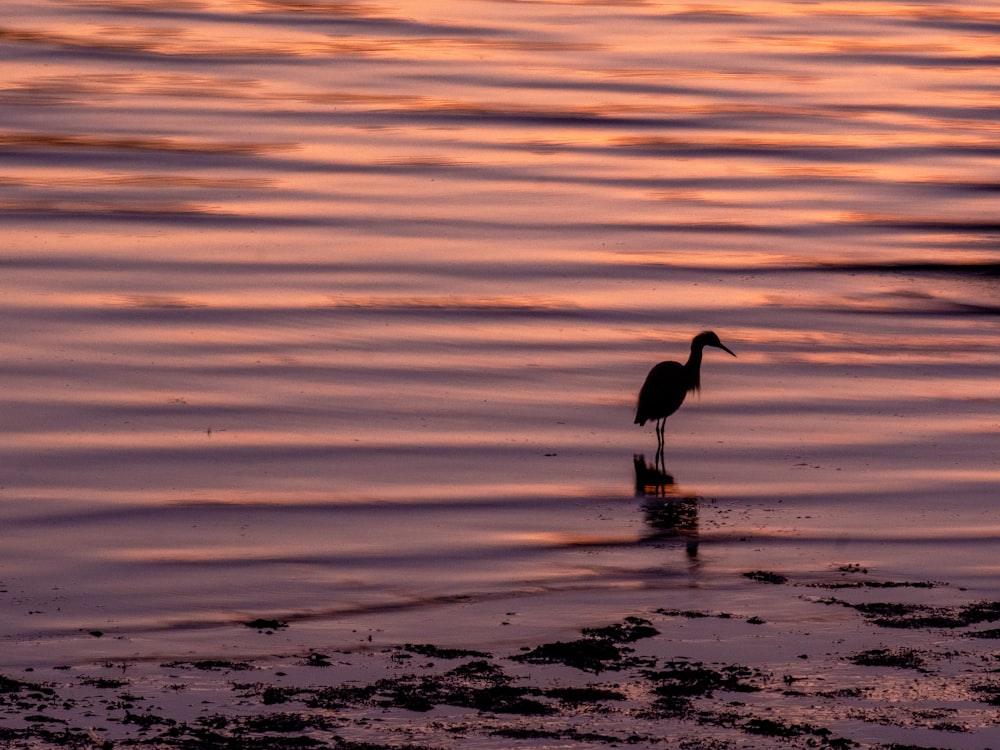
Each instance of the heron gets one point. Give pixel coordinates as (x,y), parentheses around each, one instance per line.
(669,382)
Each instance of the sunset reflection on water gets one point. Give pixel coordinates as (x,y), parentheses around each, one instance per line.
(395,271)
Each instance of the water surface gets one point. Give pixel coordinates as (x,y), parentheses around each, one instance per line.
(315,310)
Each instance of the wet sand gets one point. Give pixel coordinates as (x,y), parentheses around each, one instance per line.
(840,659)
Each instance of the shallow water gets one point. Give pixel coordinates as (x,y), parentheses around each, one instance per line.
(315,310)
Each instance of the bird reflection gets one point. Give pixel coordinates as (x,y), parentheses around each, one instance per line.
(668,383)
(669,514)
(650,480)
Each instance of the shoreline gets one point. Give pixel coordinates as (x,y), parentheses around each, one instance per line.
(854,660)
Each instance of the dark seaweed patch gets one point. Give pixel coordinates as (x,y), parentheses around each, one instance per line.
(424,693)
(877,585)
(990,692)
(503,699)
(343,744)
(896,615)
(852,568)
(771,728)
(229,733)
(209,665)
(683,678)
(341,696)
(147,720)
(104,683)
(763,576)
(631,629)
(64,737)
(598,651)
(693,614)
(981,612)
(479,685)
(678,683)
(9,685)
(436,652)
(841,693)
(690,613)
(902,658)
(480,669)
(284,723)
(991,633)
(818,736)
(272,695)
(266,625)
(315,659)
(525,733)
(586,654)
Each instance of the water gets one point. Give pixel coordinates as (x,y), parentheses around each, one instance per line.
(325,311)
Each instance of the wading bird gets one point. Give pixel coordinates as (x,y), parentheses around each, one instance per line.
(669,382)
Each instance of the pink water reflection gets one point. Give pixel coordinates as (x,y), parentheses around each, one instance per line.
(352,301)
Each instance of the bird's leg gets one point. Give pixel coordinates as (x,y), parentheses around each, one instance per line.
(660,423)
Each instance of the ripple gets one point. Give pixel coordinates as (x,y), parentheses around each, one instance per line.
(354,298)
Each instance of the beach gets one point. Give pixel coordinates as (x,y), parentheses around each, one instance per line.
(323,328)
(841,659)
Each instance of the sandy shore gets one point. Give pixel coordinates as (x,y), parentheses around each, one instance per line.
(843,659)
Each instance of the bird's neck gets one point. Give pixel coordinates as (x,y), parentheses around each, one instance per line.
(692,369)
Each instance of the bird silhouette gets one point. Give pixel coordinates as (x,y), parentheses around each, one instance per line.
(669,382)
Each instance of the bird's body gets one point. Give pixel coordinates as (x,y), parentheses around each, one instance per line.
(668,383)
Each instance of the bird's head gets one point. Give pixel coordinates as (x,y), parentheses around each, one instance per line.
(709,338)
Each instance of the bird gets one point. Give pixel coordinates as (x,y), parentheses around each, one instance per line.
(668,383)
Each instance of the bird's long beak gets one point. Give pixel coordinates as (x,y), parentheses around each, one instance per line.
(726,349)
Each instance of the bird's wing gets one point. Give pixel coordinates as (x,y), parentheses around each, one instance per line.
(662,393)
